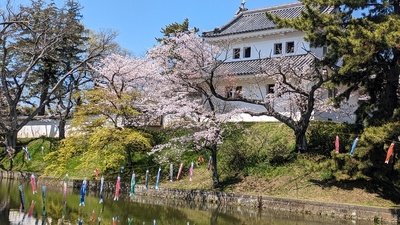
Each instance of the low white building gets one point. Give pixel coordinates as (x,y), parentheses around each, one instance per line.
(39,128)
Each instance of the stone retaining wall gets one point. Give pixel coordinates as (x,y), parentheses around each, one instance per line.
(345,211)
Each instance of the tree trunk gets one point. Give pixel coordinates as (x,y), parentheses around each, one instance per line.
(128,157)
(11,144)
(215,176)
(43,98)
(11,139)
(61,129)
(44,92)
(301,141)
(389,101)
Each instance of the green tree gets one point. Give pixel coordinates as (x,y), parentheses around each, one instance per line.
(66,54)
(105,148)
(175,28)
(363,39)
(98,139)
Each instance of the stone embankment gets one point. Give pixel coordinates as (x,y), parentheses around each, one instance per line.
(332,210)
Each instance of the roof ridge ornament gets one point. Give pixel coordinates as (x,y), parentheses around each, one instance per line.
(241,8)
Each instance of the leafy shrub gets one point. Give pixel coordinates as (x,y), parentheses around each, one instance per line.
(234,154)
(273,142)
(321,136)
(255,147)
(369,157)
(105,148)
(376,141)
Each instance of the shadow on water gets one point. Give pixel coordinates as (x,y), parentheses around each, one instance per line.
(140,209)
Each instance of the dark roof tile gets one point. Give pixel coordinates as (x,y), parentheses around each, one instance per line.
(255,20)
(251,67)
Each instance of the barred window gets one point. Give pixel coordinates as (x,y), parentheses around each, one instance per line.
(236,53)
(278,48)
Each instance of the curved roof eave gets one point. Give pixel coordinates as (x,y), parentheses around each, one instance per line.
(250,34)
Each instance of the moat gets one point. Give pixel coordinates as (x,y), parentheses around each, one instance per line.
(133,210)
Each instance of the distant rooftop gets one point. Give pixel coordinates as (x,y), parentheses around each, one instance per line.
(246,21)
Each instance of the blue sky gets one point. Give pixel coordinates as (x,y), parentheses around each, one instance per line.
(139,22)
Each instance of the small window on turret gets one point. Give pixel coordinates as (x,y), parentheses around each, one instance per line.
(247,52)
(290,47)
(278,48)
(236,53)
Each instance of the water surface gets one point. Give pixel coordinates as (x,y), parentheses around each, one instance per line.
(139,209)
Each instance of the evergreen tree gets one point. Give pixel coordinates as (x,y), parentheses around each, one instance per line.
(175,28)
(66,54)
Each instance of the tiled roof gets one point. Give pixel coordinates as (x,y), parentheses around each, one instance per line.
(256,20)
(249,67)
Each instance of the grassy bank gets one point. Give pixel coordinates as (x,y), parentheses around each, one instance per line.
(293,181)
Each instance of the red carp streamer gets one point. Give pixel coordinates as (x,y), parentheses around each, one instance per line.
(117,187)
(30,211)
(33,184)
(389,153)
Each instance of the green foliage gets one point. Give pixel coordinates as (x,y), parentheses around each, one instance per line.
(321,136)
(254,149)
(67,55)
(368,160)
(233,154)
(106,149)
(101,107)
(377,140)
(162,136)
(36,164)
(340,167)
(174,28)
(65,158)
(363,36)
(272,147)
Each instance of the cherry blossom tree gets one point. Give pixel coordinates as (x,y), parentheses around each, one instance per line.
(155,86)
(184,68)
(121,81)
(210,130)
(298,90)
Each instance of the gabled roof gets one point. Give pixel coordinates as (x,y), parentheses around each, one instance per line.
(256,20)
(251,67)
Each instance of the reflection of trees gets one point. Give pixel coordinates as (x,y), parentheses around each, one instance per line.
(4,203)
(54,208)
(140,208)
(214,217)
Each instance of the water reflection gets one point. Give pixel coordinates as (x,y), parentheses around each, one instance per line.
(134,210)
